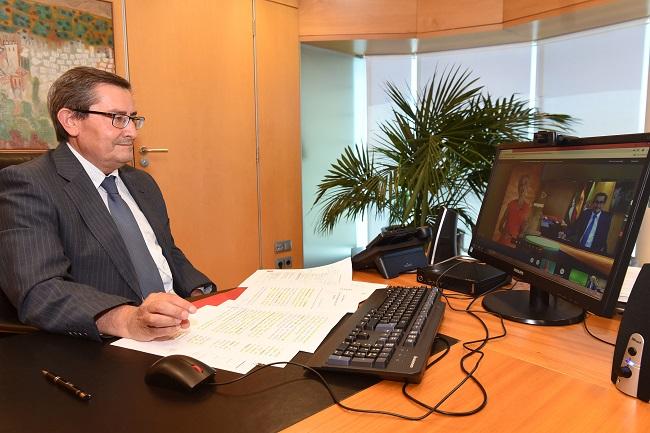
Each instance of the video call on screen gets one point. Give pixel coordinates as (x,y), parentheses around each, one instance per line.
(563,216)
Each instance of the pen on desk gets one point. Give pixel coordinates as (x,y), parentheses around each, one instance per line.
(67,386)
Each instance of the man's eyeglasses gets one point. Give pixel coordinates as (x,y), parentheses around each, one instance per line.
(599,201)
(120,121)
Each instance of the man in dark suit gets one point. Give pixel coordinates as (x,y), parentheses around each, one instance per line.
(591,228)
(85,243)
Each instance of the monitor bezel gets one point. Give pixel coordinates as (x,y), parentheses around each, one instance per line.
(523,272)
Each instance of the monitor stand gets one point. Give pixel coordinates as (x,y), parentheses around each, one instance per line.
(534,307)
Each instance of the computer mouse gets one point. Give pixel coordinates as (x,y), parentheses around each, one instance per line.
(179,372)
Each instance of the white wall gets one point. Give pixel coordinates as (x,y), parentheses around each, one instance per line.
(327,126)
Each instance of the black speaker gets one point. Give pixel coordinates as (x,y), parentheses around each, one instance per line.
(627,374)
(444,243)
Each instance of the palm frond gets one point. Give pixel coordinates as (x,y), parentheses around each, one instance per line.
(436,150)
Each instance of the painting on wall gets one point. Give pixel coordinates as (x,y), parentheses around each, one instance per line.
(39,40)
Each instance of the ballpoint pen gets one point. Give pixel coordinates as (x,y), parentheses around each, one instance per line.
(67,386)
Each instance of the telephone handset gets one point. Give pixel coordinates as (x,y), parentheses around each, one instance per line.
(395,250)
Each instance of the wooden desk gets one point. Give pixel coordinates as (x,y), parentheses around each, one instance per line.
(538,379)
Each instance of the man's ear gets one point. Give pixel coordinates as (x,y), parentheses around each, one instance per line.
(69,122)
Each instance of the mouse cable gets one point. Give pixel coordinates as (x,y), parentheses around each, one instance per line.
(430,409)
(335,399)
(584,323)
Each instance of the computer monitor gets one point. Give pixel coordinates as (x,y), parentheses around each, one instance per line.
(563,218)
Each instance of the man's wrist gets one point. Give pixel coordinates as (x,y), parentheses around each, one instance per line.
(114,321)
(205,290)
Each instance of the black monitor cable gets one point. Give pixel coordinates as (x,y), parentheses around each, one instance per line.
(469,375)
(584,323)
(468,345)
(469,372)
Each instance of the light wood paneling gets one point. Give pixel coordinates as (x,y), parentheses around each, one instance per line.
(373,18)
(278,98)
(445,15)
(448,24)
(516,9)
(292,3)
(191,66)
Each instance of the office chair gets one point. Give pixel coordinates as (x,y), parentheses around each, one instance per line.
(9,323)
(13,157)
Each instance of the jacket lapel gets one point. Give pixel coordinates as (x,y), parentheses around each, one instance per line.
(86,199)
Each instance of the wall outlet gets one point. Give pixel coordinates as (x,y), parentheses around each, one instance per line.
(281,246)
(287,245)
(283,262)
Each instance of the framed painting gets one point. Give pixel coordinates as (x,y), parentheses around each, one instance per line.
(39,40)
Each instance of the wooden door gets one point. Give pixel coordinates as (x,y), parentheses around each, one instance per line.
(277,58)
(191,66)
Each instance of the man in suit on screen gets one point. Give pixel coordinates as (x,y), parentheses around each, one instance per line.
(85,243)
(591,229)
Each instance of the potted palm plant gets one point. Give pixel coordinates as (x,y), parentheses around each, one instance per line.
(435,151)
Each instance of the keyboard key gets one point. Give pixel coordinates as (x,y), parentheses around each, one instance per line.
(384,327)
(381,362)
(402,324)
(338,360)
(362,362)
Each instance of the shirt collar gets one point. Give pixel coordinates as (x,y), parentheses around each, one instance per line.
(96,175)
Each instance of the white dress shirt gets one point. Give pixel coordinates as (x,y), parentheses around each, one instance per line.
(97,177)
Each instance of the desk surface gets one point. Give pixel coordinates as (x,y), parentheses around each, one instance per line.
(538,379)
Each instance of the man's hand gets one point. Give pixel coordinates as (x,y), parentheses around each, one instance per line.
(160,316)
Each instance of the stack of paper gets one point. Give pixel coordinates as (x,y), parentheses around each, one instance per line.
(282,312)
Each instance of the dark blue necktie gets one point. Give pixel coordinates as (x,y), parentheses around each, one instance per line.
(585,236)
(145,268)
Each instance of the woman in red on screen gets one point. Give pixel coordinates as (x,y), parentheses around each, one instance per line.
(516,215)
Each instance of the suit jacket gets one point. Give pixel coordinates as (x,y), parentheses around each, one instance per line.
(577,229)
(62,259)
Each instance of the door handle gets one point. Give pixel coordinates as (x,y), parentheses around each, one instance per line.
(144,150)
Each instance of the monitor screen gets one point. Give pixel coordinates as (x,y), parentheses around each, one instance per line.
(563,218)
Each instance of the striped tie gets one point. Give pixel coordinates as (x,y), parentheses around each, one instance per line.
(145,268)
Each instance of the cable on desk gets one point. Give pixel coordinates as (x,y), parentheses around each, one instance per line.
(584,323)
(469,372)
(331,392)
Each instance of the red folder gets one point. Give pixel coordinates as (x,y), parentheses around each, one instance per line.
(219,297)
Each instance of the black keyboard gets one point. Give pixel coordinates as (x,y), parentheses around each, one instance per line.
(389,336)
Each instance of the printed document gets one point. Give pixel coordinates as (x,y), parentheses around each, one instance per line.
(279,314)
